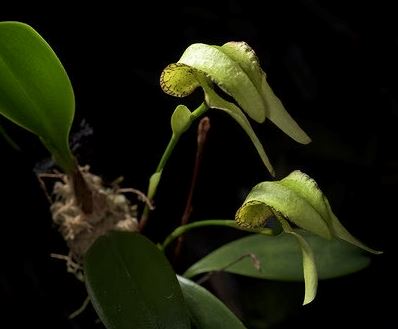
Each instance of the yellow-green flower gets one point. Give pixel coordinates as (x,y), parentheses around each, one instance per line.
(297,200)
(233,67)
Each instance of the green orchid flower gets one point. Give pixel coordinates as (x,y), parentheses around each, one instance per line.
(235,69)
(296,199)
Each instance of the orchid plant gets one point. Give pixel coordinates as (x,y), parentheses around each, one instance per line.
(293,234)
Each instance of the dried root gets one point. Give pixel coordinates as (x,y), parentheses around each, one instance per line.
(111,211)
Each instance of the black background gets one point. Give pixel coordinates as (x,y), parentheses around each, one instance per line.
(333,64)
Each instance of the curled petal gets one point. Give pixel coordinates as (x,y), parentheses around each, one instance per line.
(179,80)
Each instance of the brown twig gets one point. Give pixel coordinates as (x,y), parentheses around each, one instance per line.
(203,128)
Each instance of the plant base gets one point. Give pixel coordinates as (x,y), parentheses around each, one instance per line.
(111,211)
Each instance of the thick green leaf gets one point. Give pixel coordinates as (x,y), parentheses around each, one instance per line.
(132,285)
(206,311)
(35,91)
(280,257)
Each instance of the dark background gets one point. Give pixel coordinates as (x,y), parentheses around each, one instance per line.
(334,66)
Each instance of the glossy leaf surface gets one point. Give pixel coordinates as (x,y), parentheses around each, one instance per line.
(35,91)
(132,285)
(280,257)
(206,310)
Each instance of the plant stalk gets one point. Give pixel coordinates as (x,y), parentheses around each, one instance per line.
(153,184)
(210,222)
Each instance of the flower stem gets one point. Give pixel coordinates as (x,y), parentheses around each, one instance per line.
(211,222)
(155,178)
